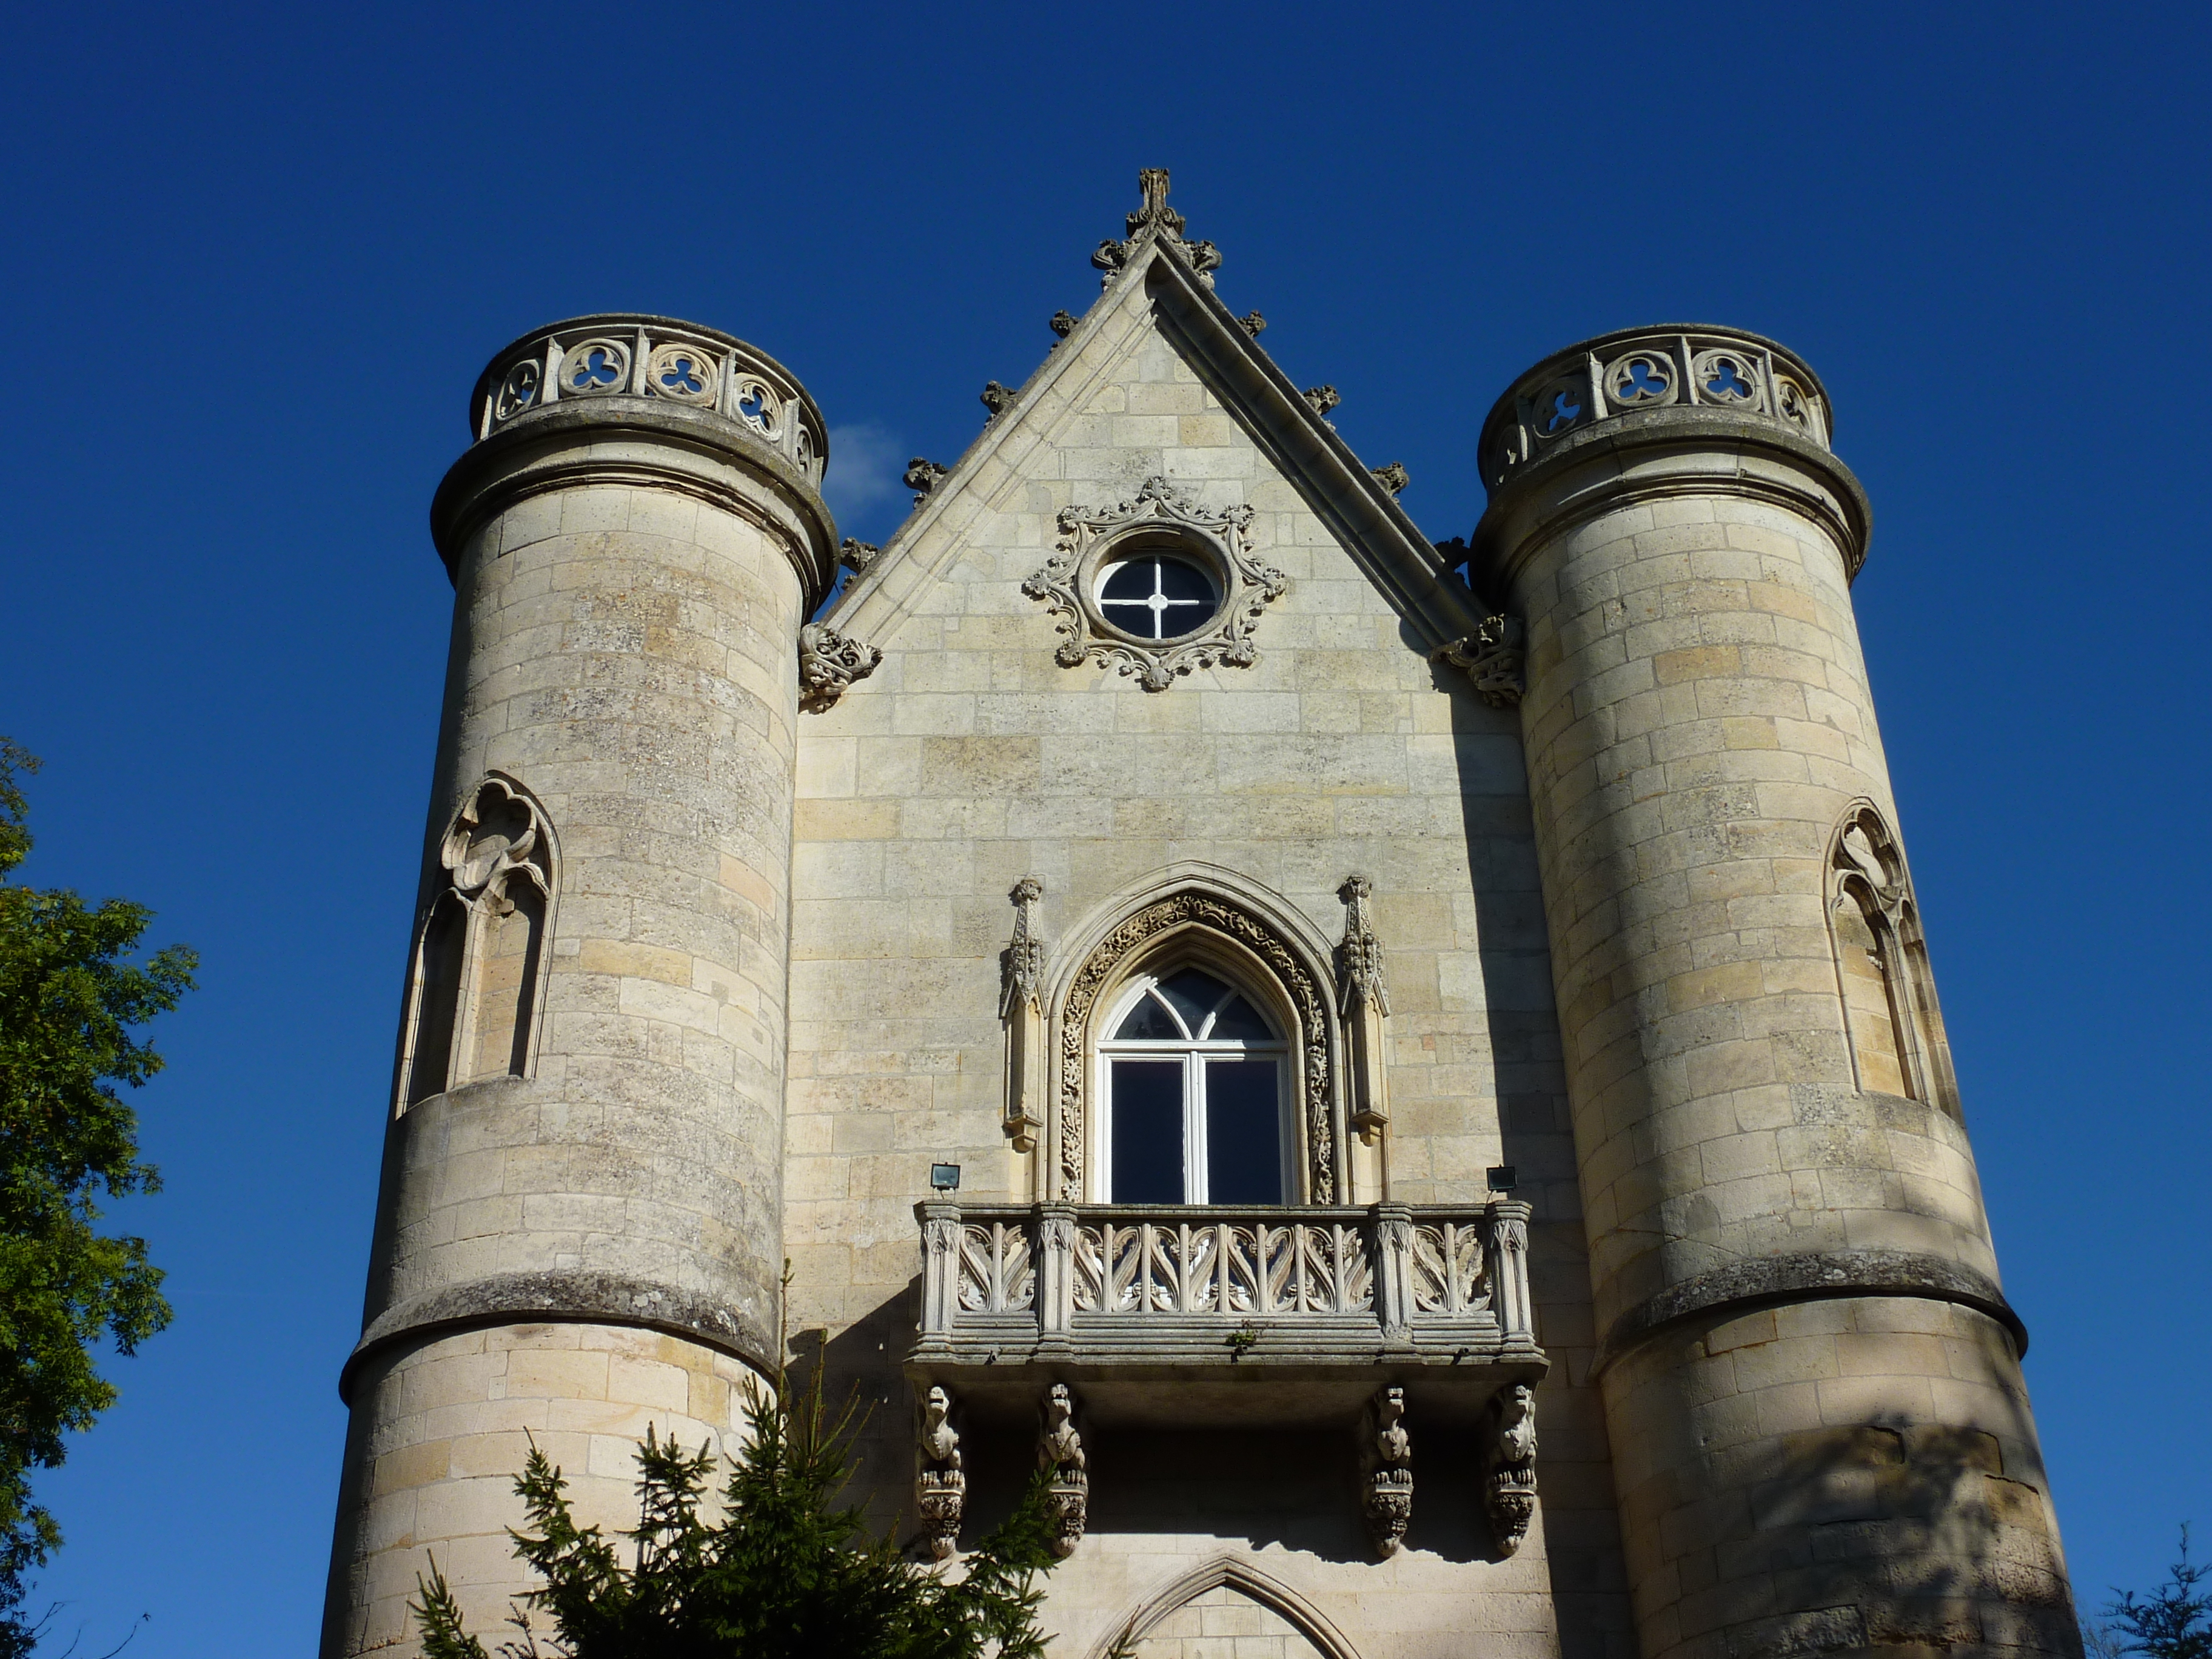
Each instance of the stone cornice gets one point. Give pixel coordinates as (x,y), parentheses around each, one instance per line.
(643,442)
(556,1298)
(1812,1276)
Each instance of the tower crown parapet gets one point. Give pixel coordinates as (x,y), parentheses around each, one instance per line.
(625,355)
(1629,374)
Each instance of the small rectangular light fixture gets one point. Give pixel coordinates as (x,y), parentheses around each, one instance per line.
(944,1177)
(1501,1177)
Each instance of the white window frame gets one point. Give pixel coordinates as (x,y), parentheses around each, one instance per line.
(1193,1052)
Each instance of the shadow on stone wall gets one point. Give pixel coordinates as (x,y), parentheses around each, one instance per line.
(1891,1534)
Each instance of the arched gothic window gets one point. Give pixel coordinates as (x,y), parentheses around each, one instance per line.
(1192,1089)
(476,996)
(1890,1015)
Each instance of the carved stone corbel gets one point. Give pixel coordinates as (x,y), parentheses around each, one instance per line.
(1061,1457)
(922,476)
(1021,1006)
(940,1485)
(829,662)
(1364,1001)
(1494,659)
(1509,1462)
(1388,1495)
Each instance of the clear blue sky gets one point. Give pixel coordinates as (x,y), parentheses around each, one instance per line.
(254,258)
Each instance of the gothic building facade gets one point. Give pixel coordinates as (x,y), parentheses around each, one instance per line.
(1404,1077)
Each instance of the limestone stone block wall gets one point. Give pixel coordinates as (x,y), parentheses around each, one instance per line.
(1808,1458)
(970,758)
(440,1431)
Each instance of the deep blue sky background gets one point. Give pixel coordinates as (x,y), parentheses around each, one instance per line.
(252,260)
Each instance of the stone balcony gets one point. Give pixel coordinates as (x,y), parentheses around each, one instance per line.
(1189,1314)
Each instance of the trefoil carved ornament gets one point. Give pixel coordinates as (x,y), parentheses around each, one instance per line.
(1160,514)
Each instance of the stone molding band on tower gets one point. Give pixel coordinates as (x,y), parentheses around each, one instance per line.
(1816,1275)
(574,1296)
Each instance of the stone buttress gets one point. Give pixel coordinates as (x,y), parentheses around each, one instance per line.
(580,1230)
(1821,1438)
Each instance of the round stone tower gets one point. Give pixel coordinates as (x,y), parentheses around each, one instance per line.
(580,1230)
(1812,1379)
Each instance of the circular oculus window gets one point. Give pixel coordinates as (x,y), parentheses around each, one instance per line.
(1156,595)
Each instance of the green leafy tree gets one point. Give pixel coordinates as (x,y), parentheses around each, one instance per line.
(2174,1621)
(69,995)
(780,1573)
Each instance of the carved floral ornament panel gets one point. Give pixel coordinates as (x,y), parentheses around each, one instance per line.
(1156,586)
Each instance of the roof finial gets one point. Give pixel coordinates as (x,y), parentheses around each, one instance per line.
(1154,182)
(1157,219)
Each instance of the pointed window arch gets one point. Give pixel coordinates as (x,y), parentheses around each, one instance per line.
(475,994)
(1196,1016)
(1173,1624)
(1193,1094)
(1882,976)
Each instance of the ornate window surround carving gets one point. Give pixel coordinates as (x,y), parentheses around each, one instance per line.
(477,877)
(1214,919)
(1159,515)
(1869,873)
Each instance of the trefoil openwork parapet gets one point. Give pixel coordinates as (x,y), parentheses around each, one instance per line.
(626,355)
(1637,371)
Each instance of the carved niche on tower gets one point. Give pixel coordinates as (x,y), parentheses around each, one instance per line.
(1882,976)
(476,989)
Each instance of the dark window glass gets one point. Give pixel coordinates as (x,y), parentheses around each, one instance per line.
(1192,994)
(1243,1132)
(1239,1020)
(1158,599)
(1149,1020)
(1147,1132)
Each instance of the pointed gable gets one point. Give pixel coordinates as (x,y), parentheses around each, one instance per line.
(1157,301)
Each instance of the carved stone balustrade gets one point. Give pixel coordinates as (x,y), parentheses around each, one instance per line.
(1565,400)
(1191,1313)
(628,355)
